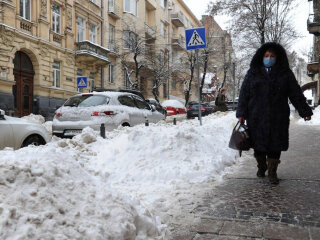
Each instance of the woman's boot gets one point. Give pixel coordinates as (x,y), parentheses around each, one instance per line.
(272,170)
(262,166)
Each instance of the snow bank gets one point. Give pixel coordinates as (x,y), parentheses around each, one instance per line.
(155,163)
(315,119)
(114,188)
(46,194)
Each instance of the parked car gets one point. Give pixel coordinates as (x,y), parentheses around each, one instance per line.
(193,110)
(17,133)
(157,105)
(231,106)
(174,107)
(113,109)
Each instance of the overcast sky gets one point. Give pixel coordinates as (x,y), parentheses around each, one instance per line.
(301,15)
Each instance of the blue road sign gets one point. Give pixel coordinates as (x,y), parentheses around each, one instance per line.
(82,82)
(196,38)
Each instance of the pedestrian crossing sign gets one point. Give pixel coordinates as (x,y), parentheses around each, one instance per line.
(82,82)
(196,38)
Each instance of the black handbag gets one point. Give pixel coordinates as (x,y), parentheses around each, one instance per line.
(240,138)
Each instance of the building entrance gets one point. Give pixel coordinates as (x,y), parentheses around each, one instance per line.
(23,90)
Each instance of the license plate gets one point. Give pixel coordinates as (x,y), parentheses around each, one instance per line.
(72,132)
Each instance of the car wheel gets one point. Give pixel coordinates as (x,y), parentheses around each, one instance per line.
(33,140)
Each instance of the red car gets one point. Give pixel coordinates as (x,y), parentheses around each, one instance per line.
(174,107)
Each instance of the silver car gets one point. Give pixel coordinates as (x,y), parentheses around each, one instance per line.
(113,109)
(17,132)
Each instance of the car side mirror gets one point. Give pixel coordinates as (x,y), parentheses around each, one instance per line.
(153,108)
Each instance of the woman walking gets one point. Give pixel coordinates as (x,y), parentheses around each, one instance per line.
(263,103)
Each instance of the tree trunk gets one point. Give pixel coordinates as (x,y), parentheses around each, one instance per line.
(205,66)
(137,70)
(155,93)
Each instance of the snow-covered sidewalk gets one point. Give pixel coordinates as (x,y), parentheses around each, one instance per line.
(120,187)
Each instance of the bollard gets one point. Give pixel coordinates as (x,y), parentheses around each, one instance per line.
(102,131)
(174,121)
(147,123)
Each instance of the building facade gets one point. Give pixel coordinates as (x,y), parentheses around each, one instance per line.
(46,45)
(313,67)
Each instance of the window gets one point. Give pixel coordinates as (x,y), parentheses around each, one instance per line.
(93,33)
(130,6)
(111,73)
(162,29)
(25,9)
(130,39)
(55,18)
(141,103)
(127,101)
(111,37)
(81,29)
(56,74)
(162,3)
(91,79)
(94,1)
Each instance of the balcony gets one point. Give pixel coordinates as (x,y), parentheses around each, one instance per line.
(91,53)
(313,25)
(113,9)
(150,32)
(114,49)
(177,19)
(151,5)
(178,44)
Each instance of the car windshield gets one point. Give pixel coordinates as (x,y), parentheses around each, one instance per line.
(87,101)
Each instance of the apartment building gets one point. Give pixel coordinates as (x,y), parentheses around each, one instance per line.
(313,67)
(46,45)
(221,58)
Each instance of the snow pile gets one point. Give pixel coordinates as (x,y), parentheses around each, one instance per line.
(154,163)
(315,119)
(114,188)
(35,118)
(46,194)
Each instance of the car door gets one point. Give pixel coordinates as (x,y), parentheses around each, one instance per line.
(6,134)
(132,111)
(152,116)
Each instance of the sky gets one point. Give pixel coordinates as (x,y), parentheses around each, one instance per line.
(301,16)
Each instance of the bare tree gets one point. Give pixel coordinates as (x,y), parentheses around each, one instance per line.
(157,63)
(255,22)
(132,58)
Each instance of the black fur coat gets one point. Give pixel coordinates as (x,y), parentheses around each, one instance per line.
(263,101)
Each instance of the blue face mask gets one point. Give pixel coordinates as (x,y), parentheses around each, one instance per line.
(269,62)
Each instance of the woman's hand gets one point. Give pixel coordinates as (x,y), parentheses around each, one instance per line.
(307,118)
(241,120)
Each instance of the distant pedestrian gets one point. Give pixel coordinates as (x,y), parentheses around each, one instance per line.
(221,101)
(263,103)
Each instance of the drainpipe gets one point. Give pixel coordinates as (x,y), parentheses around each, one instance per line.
(102,38)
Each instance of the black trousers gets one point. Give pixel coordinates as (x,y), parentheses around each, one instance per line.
(274,155)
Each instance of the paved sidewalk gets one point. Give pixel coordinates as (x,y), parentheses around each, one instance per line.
(246,207)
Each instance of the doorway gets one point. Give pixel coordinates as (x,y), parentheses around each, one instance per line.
(23,90)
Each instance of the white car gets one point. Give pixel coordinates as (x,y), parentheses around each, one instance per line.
(113,109)
(17,132)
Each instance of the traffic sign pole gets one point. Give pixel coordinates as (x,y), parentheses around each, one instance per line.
(198,77)
(195,39)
